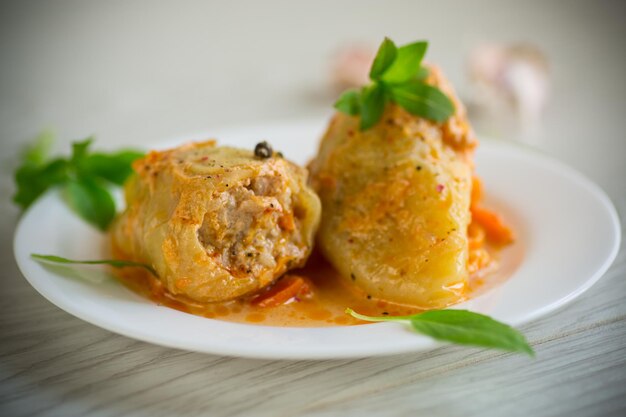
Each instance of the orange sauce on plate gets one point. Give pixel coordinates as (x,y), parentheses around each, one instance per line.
(330,295)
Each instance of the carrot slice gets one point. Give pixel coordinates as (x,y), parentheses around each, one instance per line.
(497,232)
(475,236)
(477,191)
(286,222)
(284,290)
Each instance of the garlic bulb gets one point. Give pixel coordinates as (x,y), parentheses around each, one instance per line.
(350,67)
(511,85)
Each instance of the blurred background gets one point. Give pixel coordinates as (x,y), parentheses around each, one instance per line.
(140,71)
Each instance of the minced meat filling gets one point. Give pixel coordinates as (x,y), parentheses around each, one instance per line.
(243,228)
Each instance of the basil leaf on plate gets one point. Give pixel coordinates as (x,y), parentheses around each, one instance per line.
(116,263)
(83,176)
(37,153)
(468,328)
(33,180)
(80,149)
(115,167)
(91,200)
(461,327)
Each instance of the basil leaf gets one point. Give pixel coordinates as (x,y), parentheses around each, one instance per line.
(90,200)
(423,100)
(33,180)
(372,105)
(384,58)
(397,75)
(461,327)
(83,176)
(116,263)
(468,328)
(37,153)
(115,167)
(422,74)
(407,63)
(349,102)
(80,149)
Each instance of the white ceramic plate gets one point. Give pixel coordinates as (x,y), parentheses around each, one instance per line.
(568,235)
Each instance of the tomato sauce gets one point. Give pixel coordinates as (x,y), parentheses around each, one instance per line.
(330,295)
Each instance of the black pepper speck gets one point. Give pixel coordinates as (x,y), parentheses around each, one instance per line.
(263,150)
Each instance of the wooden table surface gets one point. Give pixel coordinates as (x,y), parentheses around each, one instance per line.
(137,71)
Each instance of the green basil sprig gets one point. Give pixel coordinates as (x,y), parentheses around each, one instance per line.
(116,263)
(461,327)
(397,76)
(85,178)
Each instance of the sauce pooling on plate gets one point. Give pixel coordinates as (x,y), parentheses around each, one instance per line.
(324,303)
